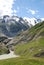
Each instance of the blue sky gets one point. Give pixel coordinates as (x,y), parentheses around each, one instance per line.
(22,8)
(29,8)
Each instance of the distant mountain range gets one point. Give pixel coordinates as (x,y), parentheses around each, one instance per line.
(11,25)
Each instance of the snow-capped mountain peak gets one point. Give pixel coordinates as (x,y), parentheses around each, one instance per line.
(32,21)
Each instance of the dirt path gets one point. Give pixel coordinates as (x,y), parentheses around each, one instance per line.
(10,55)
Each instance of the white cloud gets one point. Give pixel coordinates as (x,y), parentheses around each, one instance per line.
(6,7)
(32,11)
(15,11)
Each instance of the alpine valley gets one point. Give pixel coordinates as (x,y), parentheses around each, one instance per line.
(24,36)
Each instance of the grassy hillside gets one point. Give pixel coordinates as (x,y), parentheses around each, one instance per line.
(22,61)
(31,52)
(35,44)
(31,48)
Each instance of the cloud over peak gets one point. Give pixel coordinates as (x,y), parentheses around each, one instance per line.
(6,7)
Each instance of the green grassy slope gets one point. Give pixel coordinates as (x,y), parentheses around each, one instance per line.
(30,49)
(20,61)
(36,45)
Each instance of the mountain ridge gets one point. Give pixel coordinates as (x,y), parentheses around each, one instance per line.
(12,25)
(9,27)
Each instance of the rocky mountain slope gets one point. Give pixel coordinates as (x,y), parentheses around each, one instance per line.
(31,35)
(11,25)
(15,30)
